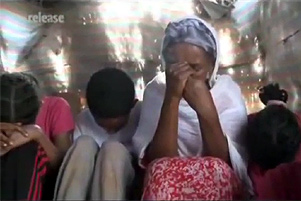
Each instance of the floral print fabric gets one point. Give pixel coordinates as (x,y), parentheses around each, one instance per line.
(194,178)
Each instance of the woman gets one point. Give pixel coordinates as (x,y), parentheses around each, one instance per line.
(274,138)
(191,112)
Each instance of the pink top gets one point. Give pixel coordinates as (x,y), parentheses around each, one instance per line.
(55,116)
(280,183)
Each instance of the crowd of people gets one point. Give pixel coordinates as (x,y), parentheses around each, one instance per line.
(190,138)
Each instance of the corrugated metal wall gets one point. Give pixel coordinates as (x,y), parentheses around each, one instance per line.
(128,35)
(281,35)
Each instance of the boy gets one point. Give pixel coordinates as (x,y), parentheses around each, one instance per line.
(103,132)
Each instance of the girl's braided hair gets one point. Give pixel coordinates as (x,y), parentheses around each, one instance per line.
(20,101)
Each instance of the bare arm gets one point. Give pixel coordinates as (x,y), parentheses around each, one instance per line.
(51,150)
(165,142)
(21,135)
(63,142)
(62,126)
(17,136)
(214,141)
(198,96)
(35,133)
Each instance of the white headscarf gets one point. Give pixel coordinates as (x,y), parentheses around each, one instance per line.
(227,99)
(197,32)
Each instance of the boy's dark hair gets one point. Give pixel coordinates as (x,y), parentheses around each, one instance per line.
(20,102)
(273,137)
(110,93)
(272,92)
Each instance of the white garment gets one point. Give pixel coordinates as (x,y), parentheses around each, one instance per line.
(230,107)
(232,114)
(86,125)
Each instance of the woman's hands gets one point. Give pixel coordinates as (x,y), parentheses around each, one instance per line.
(176,78)
(183,81)
(195,89)
(198,96)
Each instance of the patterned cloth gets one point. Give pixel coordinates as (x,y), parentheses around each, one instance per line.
(194,178)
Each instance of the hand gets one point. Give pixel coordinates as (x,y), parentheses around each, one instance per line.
(6,131)
(176,78)
(20,136)
(195,88)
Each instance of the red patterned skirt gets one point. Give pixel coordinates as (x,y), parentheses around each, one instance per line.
(195,178)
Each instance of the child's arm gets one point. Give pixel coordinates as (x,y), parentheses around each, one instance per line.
(35,133)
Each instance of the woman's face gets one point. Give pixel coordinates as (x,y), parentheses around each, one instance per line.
(196,57)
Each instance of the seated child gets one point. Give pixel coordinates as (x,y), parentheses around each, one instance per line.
(274,138)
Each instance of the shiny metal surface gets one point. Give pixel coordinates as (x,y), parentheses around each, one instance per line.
(275,24)
(281,35)
(127,34)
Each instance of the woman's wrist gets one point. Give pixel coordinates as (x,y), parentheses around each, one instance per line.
(171,99)
(205,106)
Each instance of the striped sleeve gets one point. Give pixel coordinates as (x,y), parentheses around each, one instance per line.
(39,172)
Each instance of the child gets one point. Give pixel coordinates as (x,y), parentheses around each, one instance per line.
(274,138)
(100,158)
(25,155)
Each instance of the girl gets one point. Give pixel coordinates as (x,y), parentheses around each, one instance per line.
(56,121)
(24,161)
(274,138)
